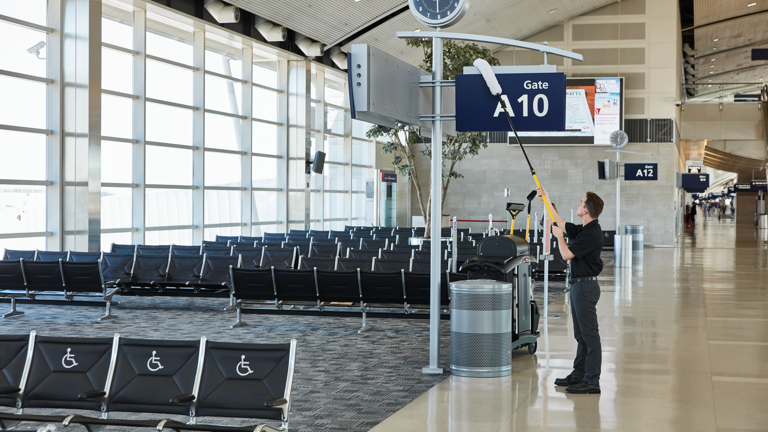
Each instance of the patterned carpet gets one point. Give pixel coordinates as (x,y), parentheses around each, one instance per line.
(344,381)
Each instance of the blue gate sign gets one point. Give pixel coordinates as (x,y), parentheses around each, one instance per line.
(535,101)
(641,171)
(694,182)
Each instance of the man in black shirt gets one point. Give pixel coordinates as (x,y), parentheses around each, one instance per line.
(583,251)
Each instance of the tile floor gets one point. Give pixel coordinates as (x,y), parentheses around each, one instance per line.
(685,348)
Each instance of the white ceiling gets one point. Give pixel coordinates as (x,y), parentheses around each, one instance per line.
(331,21)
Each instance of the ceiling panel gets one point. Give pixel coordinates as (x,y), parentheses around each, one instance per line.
(710,11)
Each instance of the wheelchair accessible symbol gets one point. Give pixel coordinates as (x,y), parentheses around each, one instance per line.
(244,366)
(68,361)
(154,361)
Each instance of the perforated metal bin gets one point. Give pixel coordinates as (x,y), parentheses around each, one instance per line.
(481,328)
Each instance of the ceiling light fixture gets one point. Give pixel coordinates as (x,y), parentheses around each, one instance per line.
(711,66)
(552,11)
(712,60)
(221,12)
(716,40)
(710,72)
(417,30)
(751,4)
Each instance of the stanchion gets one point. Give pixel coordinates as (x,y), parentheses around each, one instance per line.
(547,243)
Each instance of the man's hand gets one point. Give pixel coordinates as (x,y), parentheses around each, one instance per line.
(557,231)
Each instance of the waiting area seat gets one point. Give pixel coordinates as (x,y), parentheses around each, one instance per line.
(144,377)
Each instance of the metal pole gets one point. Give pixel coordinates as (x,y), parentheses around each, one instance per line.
(455,245)
(618,191)
(536,227)
(490,224)
(546,243)
(437,210)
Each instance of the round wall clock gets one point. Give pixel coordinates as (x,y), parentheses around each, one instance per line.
(438,13)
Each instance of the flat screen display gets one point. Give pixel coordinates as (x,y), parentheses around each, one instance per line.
(594,108)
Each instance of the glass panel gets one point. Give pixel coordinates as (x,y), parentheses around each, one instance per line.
(264,104)
(14,54)
(26,243)
(116,116)
(334,149)
(265,73)
(34,11)
(169,83)
(222,169)
(223,59)
(334,205)
(259,230)
(211,233)
(358,205)
(359,177)
(222,94)
(334,177)
(296,175)
(296,207)
(313,86)
(169,124)
(334,120)
(117,33)
(362,152)
(22,156)
(116,207)
(264,138)
(222,132)
(169,42)
(168,166)
(168,207)
(264,172)
(116,162)
(180,237)
(119,238)
(28,107)
(264,206)
(117,71)
(22,209)
(360,128)
(222,206)
(334,92)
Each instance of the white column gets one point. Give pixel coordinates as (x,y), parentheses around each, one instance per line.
(139,124)
(198,138)
(246,138)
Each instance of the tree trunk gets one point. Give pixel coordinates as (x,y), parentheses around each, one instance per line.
(415,179)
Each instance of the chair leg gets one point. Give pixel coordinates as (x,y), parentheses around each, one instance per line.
(239,322)
(108,316)
(13,311)
(231,303)
(365,326)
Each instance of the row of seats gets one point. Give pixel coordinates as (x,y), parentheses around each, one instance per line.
(39,255)
(358,288)
(142,376)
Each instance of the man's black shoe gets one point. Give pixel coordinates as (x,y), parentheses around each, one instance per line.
(564,382)
(583,388)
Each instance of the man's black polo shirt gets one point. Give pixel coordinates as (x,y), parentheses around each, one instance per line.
(586,243)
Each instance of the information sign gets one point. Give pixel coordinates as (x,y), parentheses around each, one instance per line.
(389,177)
(759,185)
(694,182)
(641,171)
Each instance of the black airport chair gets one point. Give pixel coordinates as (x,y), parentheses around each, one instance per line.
(186,250)
(323,251)
(153,250)
(357,235)
(122,249)
(323,241)
(319,263)
(417,289)
(215,273)
(251,239)
(383,231)
(15,255)
(371,244)
(84,256)
(117,269)
(419,232)
(215,243)
(226,239)
(238,250)
(391,265)
(345,245)
(87,278)
(302,247)
(250,258)
(405,247)
(382,289)
(464,233)
(214,250)
(338,286)
(273,241)
(182,271)
(340,235)
(298,233)
(295,286)
(423,266)
(319,234)
(51,256)
(251,284)
(396,255)
(149,270)
(354,264)
(41,276)
(274,235)
(362,254)
(278,258)
(13,356)
(427,255)
(391,240)
(12,284)
(243,244)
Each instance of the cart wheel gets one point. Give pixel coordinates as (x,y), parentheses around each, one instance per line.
(532,347)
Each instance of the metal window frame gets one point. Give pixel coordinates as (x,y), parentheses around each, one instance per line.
(26,24)
(23,76)
(25,234)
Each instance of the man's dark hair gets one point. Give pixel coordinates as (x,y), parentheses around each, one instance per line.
(594,204)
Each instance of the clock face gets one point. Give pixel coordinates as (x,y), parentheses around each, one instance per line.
(438,13)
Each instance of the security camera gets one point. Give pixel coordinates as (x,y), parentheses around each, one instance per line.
(36,49)
(222,13)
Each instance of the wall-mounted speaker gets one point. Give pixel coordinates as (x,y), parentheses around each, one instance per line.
(318,162)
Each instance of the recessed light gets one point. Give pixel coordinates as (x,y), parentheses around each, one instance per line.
(711,66)
(417,30)
(711,72)
(552,11)
(751,4)
(714,49)
(712,60)
(716,40)
(710,80)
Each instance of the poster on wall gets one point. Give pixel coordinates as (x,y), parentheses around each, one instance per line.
(593,110)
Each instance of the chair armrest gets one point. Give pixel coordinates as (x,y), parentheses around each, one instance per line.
(274,403)
(92,394)
(9,390)
(183,398)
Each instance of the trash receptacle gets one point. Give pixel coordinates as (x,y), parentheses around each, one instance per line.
(762,221)
(636,231)
(481,328)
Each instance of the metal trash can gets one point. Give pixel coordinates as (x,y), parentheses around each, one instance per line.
(762,221)
(481,328)
(622,251)
(636,231)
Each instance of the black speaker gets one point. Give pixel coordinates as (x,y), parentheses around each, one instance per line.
(319,162)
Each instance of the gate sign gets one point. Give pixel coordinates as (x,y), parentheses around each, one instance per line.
(759,185)
(742,187)
(389,177)
(694,182)
(641,171)
(535,101)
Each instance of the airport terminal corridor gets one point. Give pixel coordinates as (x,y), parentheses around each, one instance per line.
(684,348)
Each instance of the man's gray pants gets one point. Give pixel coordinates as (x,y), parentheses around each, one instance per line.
(589,355)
